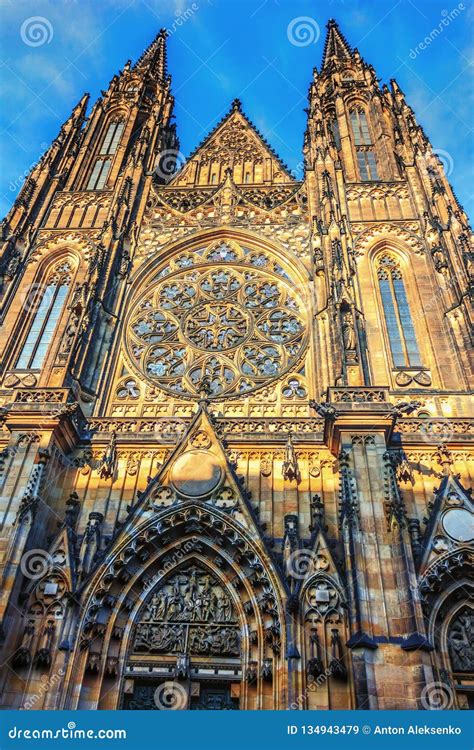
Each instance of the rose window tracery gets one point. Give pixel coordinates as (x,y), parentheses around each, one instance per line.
(234,325)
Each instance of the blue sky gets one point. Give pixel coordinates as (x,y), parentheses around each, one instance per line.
(222,49)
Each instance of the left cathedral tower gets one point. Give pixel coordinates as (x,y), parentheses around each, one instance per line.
(67,250)
(68,241)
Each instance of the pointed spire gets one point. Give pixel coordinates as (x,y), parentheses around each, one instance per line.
(154,57)
(336,45)
(80,109)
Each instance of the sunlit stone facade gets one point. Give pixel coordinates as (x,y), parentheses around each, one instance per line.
(235,424)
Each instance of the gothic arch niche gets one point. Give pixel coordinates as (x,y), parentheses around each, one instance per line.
(324,629)
(224,311)
(189,633)
(43,295)
(394,323)
(36,659)
(188,536)
(452,633)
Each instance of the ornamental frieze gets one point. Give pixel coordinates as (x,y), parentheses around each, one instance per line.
(406,232)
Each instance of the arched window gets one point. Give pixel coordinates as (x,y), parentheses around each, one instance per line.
(360,128)
(334,128)
(112,138)
(49,305)
(401,332)
(363,145)
(100,170)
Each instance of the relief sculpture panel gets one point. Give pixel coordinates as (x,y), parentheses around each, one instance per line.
(191,613)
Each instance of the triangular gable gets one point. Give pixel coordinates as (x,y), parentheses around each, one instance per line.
(237,145)
(198,470)
(451,522)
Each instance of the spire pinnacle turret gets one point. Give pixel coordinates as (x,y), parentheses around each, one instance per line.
(154,57)
(336,45)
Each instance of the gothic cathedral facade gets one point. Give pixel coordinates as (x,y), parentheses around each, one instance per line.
(235,426)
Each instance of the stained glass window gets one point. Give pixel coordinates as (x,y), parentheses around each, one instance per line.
(367,165)
(366,161)
(398,320)
(360,128)
(226,323)
(112,138)
(100,170)
(99,174)
(45,319)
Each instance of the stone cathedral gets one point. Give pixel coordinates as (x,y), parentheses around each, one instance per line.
(234,413)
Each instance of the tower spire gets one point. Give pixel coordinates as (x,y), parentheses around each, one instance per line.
(154,57)
(336,45)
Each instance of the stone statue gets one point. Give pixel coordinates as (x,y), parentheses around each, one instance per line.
(461,642)
(348,332)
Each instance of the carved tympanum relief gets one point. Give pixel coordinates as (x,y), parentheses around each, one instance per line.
(193,614)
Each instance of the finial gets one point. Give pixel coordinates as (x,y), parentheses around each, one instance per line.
(236,105)
(204,390)
(445,458)
(291,470)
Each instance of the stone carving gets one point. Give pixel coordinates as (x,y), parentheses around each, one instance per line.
(196,473)
(191,613)
(461,641)
(315,666)
(290,469)
(348,332)
(358,395)
(323,601)
(193,597)
(336,665)
(404,378)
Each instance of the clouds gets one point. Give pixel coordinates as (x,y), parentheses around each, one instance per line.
(226,49)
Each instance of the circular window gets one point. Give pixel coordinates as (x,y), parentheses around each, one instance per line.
(196,473)
(233,327)
(458,523)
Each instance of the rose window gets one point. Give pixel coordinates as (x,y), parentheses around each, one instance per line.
(231,327)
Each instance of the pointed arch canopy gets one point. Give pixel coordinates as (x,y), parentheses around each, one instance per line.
(192,533)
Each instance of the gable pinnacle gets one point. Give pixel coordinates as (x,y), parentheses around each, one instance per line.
(154,57)
(336,44)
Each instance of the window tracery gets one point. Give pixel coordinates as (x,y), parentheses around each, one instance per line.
(366,161)
(398,320)
(236,325)
(49,306)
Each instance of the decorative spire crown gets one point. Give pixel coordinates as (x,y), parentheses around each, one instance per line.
(336,45)
(155,58)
